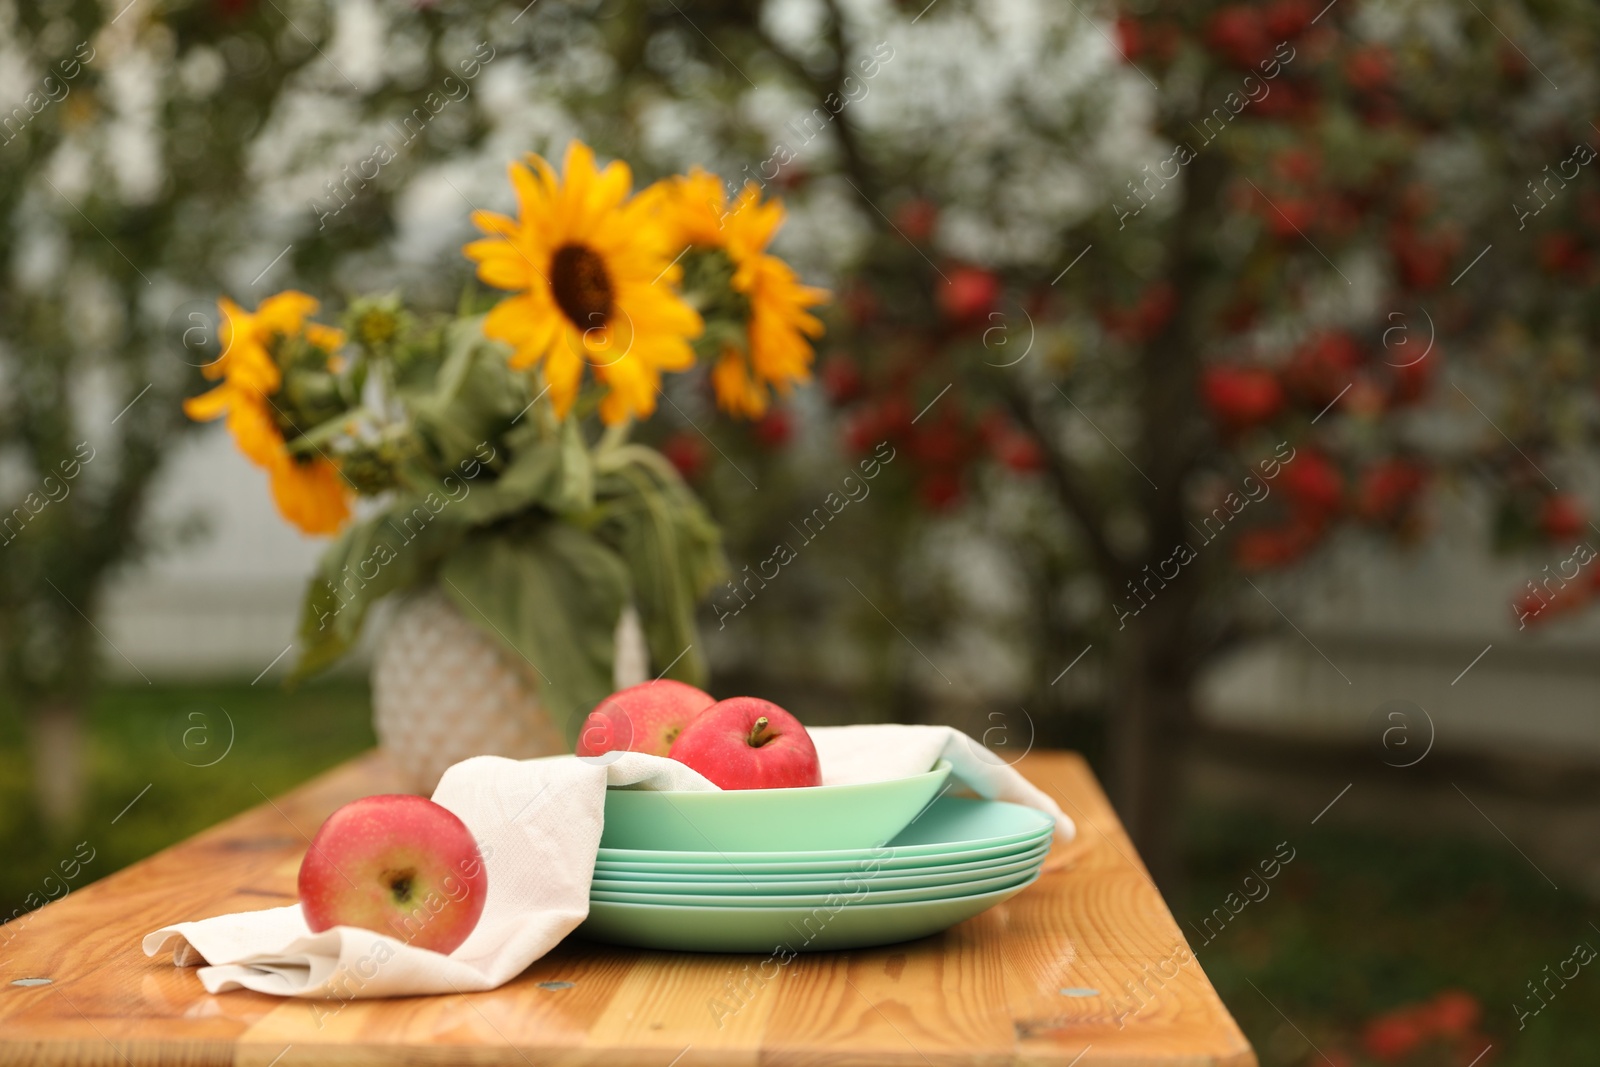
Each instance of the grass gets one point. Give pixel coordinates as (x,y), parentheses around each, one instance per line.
(163,737)
(1363,922)
(1358,923)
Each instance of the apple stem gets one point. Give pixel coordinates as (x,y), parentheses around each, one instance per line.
(758,733)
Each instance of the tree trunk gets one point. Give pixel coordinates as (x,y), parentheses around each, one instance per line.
(1151,729)
(58,763)
(1150,733)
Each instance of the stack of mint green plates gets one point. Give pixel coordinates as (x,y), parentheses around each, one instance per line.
(955,859)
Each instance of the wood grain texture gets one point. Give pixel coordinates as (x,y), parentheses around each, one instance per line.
(987,992)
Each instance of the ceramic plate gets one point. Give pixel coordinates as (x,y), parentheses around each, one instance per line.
(725,929)
(850,892)
(737,865)
(875,881)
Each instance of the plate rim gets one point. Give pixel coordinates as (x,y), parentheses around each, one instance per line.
(821,899)
(794,907)
(1039,852)
(730,863)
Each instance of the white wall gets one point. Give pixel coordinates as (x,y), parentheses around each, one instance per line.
(1404,625)
(225,602)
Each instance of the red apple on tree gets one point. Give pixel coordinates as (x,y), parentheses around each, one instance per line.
(969,293)
(749,743)
(642,718)
(397,864)
(1241,397)
(1561,516)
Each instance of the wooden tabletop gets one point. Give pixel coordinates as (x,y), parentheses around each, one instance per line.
(1085,967)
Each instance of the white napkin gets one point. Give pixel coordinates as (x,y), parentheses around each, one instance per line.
(537,823)
(851,755)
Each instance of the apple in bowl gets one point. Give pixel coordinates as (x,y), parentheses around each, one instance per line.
(399,865)
(748,743)
(642,718)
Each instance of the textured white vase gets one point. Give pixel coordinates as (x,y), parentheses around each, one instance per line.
(443,690)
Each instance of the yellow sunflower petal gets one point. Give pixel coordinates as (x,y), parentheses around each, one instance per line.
(250,366)
(655,309)
(311,494)
(533,191)
(254,429)
(235,322)
(633,385)
(500,263)
(492,222)
(523,322)
(208,406)
(737,392)
(694,207)
(595,194)
(327,338)
(563,371)
(284,312)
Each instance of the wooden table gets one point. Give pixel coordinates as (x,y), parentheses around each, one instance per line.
(1085,967)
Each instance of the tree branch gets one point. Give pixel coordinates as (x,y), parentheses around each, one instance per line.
(831,84)
(1069,485)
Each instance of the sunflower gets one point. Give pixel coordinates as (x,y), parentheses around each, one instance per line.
(309,491)
(594,279)
(777,351)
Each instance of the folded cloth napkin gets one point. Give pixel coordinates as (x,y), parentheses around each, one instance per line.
(537,823)
(851,755)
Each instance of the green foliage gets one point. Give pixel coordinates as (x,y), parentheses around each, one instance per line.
(672,548)
(552,594)
(539,539)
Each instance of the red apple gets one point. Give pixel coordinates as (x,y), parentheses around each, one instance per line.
(397,864)
(1561,516)
(969,293)
(1241,397)
(642,718)
(748,743)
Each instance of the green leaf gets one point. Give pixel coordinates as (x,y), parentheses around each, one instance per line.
(472,400)
(480,408)
(551,594)
(673,551)
(394,550)
(554,474)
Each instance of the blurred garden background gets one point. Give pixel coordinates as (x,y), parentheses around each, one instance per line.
(1235,362)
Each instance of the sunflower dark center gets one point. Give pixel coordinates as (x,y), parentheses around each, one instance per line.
(581,286)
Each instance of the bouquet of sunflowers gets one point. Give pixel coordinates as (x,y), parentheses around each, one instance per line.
(474,437)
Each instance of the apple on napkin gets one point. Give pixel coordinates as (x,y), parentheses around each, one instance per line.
(399,865)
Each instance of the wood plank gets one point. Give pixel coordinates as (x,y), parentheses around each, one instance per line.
(1106,930)
(986,992)
(107,1002)
(549,1011)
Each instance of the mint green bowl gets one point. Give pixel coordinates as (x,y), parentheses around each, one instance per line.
(807,819)
(950,830)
